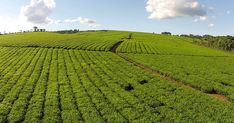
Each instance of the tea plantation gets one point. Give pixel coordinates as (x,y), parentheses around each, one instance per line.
(109,77)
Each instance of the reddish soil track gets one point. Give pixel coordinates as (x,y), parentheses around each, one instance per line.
(115,46)
(158,74)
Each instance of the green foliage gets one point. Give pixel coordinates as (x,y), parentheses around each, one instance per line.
(209,74)
(97,41)
(166,33)
(147,43)
(220,42)
(51,77)
(59,85)
(217,42)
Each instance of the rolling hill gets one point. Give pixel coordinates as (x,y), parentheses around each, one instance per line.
(108,76)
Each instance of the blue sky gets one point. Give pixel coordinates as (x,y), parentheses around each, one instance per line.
(199,17)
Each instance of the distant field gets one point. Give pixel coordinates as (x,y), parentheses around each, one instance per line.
(95,41)
(91,77)
(147,43)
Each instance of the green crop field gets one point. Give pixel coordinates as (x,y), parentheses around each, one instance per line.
(95,41)
(209,74)
(146,43)
(94,77)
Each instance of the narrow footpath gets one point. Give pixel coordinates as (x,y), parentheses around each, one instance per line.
(160,75)
(116,45)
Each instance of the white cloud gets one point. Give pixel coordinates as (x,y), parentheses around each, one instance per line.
(211,25)
(167,9)
(13,24)
(38,11)
(203,18)
(86,21)
(52,21)
(228,12)
(90,22)
(211,8)
(71,20)
(196,20)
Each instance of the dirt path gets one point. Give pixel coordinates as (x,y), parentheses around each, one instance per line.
(160,75)
(220,97)
(114,48)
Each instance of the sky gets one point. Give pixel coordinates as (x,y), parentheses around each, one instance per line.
(201,17)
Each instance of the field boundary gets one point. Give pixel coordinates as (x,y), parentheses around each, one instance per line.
(168,78)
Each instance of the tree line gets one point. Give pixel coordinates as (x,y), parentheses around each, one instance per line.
(218,42)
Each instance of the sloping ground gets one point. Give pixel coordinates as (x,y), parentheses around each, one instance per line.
(201,68)
(171,78)
(62,84)
(143,43)
(212,75)
(146,43)
(58,85)
(94,41)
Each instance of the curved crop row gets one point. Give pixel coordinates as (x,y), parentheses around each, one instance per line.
(58,85)
(146,43)
(212,75)
(94,41)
